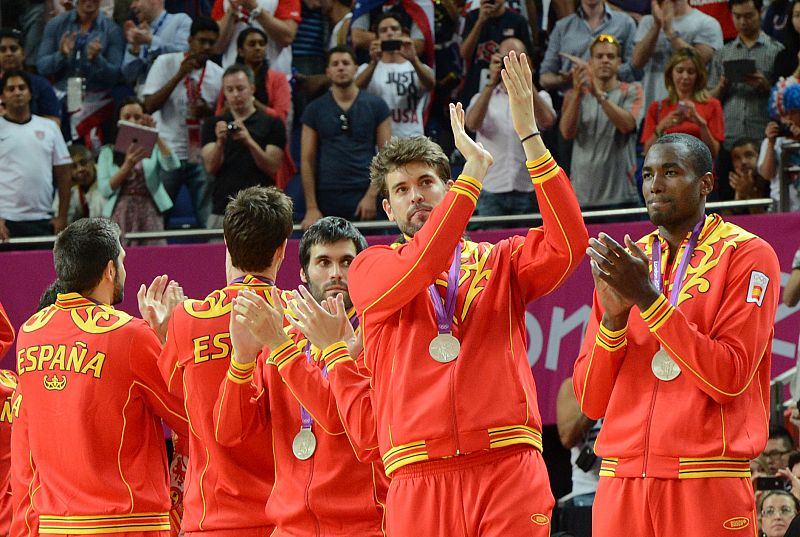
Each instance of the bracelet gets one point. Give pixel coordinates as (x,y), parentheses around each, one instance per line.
(531,135)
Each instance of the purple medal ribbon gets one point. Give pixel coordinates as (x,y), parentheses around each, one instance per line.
(306,420)
(658,278)
(444,312)
(261,279)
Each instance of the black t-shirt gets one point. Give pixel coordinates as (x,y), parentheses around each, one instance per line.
(509,24)
(239,170)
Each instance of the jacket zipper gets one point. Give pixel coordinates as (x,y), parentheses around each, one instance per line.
(453,404)
(647,430)
(308,498)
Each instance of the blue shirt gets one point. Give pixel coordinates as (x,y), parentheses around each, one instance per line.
(170,34)
(102,73)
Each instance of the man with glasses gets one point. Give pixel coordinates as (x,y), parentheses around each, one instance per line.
(600,114)
(340,132)
(776,453)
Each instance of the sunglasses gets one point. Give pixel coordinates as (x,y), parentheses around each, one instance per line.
(606,38)
(344,123)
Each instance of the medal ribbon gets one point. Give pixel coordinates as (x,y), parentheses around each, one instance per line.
(261,279)
(154,31)
(658,277)
(444,311)
(193,90)
(306,420)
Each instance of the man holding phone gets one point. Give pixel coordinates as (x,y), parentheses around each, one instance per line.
(741,76)
(397,75)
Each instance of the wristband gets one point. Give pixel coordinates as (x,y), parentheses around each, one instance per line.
(531,135)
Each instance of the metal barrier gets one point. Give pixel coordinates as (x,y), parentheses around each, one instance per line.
(524,219)
(786,170)
(777,402)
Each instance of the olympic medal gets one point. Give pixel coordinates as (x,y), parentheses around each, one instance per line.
(444,348)
(664,368)
(304,444)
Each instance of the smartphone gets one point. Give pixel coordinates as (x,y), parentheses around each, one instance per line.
(773,483)
(682,108)
(391,45)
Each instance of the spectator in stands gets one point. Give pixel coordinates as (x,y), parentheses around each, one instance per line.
(744,101)
(397,76)
(720,10)
(12,58)
(131,181)
(364,19)
(339,18)
(507,187)
(688,107)
(182,89)
(484,29)
(791,293)
(341,130)
(85,198)
(744,177)
(577,433)
(34,157)
(279,19)
(273,95)
(242,147)
(601,113)
(84,44)
(672,26)
(787,61)
(572,36)
(779,445)
(778,508)
(309,46)
(158,32)
(792,471)
(777,134)
(777,18)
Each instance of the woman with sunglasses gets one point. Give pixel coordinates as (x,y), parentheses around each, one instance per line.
(688,109)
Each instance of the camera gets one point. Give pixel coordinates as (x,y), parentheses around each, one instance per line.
(586,458)
(784,131)
(232,126)
(391,45)
(773,483)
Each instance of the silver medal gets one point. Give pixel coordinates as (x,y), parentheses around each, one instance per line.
(444,348)
(304,444)
(664,368)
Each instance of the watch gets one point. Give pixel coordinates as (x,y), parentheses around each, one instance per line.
(602,97)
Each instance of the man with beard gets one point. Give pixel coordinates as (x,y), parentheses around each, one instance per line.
(744,179)
(677,359)
(180,91)
(12,58)
(340,132)
(448,397)
(33,154)
(88,376)
(315,461)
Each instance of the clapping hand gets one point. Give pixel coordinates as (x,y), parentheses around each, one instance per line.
(322,326)
(477,158)
(157,301)
(256,323)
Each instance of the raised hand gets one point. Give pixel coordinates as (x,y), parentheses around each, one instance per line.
(322,328)
(518,79)
(477,158)
(157,301)
(255,323)
(354,342)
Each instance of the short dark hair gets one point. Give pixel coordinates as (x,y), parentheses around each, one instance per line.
(247,31)
(758,4)
(778,432)
(327,231)
(699,153)
(15,73)
(340,49)
(203,24)
(11,33)
(401,151)
(257,221)
(404,26)
(741,142)
(240,68)
(82,252)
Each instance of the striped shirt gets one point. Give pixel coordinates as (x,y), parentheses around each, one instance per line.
(310,37)
(745,108)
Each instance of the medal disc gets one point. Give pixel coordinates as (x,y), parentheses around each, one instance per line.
(444,348)
(663,367)
(304,444)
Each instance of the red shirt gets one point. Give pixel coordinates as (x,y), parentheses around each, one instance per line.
(422,409)
(286,10)
(92,402)
(711,111)
(226,489)
(714,417)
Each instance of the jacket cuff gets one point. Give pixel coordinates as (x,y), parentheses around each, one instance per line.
(241,373)
(611,340)
(284,355)
(468,186)
(658,313)
(542,169)
(336,354)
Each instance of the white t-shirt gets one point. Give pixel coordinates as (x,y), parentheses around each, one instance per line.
(399,86)
(280,58)
(171,119)
(28,153)
(774,181)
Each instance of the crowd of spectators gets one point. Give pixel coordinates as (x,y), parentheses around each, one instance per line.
(299,93)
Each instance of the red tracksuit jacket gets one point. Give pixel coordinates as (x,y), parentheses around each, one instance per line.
(92,397)
(330,494)
(10,408)
(486,398)
(225,489)
(714,417)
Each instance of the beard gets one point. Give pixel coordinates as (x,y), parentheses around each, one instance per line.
(410,227)
(119,291)
(321,292)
